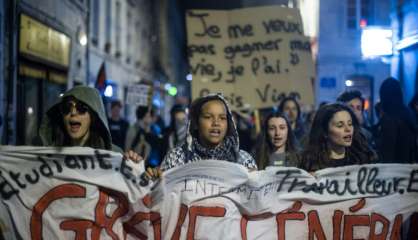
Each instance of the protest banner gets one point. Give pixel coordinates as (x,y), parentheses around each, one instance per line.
(254,56)
(139,95)
(82,193)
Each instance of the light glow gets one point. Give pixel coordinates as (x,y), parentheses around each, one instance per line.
(108,91)
(376,42)
(349,83)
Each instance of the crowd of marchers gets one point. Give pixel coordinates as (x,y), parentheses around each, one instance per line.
(336,134)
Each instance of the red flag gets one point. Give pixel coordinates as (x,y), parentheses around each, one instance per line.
(101,78)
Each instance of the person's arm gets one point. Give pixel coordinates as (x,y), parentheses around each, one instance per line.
(130,135)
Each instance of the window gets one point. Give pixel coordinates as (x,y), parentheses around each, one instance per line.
(118,29)
(108,25)
(359,13)
(95,21)
(129,32)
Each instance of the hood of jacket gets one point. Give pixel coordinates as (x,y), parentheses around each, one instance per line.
(194,118)
(53,118)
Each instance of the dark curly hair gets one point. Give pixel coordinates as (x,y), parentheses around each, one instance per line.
(317,152)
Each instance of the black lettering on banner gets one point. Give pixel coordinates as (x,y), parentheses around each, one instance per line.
(6,189)
(125,170)
(71,162)
(59,167)
(45,169)
(278,25)
(236,31)
(212,31)
(84,160)
(103,164)
(33,180)
(15,177)
(413,181)
(287,175)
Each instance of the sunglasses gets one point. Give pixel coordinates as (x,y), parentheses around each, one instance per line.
(67,107)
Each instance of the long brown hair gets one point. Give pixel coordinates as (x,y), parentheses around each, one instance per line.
(265,147)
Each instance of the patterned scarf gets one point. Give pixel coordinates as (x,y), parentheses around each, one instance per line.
(224,151)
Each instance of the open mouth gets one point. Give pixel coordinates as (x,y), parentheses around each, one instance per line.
(347,138)
(75,126)
(215,132)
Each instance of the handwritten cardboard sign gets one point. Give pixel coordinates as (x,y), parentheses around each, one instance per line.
(254,56)
(139,95)
(83,193)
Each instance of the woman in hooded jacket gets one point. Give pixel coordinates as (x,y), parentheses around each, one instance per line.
(212,134)
(79,119)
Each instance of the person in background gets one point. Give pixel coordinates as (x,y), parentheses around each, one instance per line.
(117,125)
(277,145)
(175,133)
(79,119)
(212,134)
(143,139)
(335,140)
(291,108)
(413,106)
(245,129)
(376,128)
(354,100)
(398,132)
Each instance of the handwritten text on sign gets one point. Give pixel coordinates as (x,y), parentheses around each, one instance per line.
(254,56)
(82,193)
(139,95)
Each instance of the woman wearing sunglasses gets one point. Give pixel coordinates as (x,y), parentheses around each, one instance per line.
(79,119)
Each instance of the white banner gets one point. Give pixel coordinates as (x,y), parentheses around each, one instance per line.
(83,193)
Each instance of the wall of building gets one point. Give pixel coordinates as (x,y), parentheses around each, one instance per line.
(126,40)
(404,17)
(340,51)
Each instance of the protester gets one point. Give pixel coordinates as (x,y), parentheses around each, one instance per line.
(79,119)
(117,125)
(413,105)
(144,139)
(335,140)
(354,100)
(212,134)
(175,133)
(291,108)
(277,145)
(398,133)
(245,129)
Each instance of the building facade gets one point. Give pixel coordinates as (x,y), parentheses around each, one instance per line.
(404,16)
(49,46)
(340,65)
